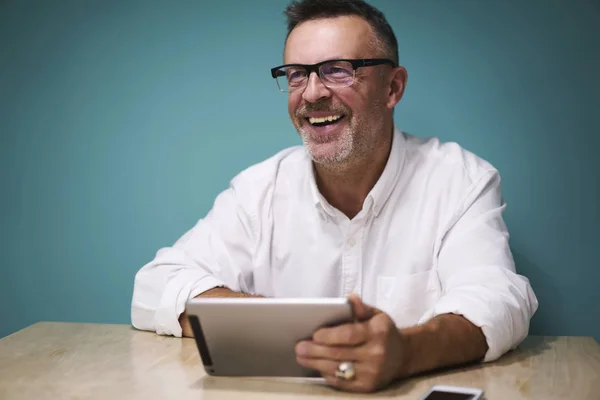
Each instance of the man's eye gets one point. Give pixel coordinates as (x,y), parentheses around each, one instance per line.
(296,75)
(338,72)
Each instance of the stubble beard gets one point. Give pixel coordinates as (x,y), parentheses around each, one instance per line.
(355,143)
(329,151)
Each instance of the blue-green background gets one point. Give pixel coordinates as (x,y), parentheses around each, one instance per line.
(120,121)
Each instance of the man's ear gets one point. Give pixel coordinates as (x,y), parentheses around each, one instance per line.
(397,86)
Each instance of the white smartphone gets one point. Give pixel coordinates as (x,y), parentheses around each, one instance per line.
(446,392)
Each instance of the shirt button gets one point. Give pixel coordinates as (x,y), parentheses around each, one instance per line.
(351,242)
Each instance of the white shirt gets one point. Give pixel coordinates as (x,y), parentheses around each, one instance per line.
(430,239)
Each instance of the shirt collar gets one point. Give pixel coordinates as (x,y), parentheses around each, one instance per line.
(387,181)
(318,199)
(384,186)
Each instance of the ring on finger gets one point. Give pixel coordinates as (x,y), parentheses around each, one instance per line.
(345,371)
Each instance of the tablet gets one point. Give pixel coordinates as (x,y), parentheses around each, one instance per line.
(255,336)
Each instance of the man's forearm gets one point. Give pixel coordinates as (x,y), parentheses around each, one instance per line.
(444,341)
(215,292)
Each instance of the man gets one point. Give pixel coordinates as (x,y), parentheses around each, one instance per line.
(410,230)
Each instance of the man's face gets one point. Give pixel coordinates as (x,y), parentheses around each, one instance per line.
(358,111)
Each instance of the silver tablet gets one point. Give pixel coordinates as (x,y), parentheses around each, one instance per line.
(256,337)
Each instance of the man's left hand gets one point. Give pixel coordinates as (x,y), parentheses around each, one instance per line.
(373,344)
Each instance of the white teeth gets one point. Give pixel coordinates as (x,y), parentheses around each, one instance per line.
(329,118)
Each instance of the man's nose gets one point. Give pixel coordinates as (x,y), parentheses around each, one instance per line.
(315,89)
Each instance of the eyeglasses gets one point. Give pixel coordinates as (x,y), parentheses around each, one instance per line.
(333,73)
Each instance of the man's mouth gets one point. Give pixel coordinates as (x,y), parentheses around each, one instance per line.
(324,121)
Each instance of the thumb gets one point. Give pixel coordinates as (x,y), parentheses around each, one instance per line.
(361,311)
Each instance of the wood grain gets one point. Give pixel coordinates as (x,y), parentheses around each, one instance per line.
(95,361)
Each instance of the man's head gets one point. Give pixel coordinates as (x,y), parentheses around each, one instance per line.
(343,112)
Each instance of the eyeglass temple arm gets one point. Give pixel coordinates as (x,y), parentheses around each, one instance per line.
(377,61)
(276,72)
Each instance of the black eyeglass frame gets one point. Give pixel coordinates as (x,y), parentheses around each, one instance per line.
(356,64)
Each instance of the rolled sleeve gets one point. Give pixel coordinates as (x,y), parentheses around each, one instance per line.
(217,251)
(496,300)
(178,291)
(477,272)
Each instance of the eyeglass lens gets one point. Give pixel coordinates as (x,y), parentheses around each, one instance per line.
(333,74)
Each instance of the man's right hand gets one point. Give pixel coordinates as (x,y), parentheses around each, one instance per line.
(215,292)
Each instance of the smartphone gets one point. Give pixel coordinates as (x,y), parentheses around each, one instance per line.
(444,392)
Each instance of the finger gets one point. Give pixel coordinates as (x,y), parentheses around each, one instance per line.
(354,385)
(381,325)
(361,311)
(307,349)
(363,381)
(324,367)
(353,334)
(328,367)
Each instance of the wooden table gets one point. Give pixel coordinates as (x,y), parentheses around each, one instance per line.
(94,361)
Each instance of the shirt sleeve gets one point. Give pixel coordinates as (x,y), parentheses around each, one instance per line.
(217,251)
(477,271)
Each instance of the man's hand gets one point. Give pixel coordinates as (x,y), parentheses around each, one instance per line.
(373,343)
(382,353)
(186,329)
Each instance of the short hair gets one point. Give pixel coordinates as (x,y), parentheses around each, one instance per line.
(304,10)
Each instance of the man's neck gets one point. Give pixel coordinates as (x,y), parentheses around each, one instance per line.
(346,186)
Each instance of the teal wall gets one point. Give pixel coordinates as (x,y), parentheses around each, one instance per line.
(120,121)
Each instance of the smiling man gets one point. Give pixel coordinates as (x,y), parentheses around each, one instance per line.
(411,230)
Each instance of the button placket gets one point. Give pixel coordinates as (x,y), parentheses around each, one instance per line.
(359,238)
(352,258)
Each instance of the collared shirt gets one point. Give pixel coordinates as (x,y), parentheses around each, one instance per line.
(430,239)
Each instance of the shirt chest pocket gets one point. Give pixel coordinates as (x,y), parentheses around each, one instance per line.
(407,297)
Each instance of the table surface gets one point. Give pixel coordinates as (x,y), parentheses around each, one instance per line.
(96,361)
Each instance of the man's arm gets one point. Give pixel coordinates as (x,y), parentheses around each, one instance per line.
(483,311)
(216,252)
(215,292)
(444,341)
(477,272)
(382,353)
